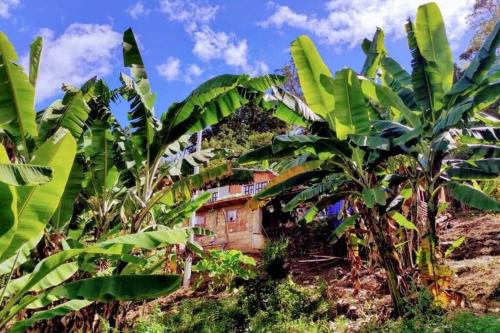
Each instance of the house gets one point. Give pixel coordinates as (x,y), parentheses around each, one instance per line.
(235,225)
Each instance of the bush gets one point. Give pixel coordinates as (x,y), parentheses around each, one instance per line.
(223,267)
(205,316)
(261,306)
(274,306)
(152,324)
(274,257)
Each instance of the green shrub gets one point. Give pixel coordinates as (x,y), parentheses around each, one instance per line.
(205,316)
(274,257)
(222,267)
(261,306)
(272,305)
(151,324)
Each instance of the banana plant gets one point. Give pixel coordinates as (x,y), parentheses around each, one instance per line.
(440,126)
(369,119)
(154,149)
(52,279)
(329,161)
(47,144)
(446,116)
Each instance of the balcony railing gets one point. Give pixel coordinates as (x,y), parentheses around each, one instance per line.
(219,193)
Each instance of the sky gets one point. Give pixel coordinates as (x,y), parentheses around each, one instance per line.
(185,42)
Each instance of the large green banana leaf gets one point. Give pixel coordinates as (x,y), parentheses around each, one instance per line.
(484,133)
(182,189)
(53,278)
(398,80)
(293,103)
(310,67)
(70,113)
(183,211)
(483,151)
(17,96)
(24,174)
(480,169)
(422,86)
(8,208)
(433,45)
(138,92)
(55,261)
(484,97)
(385,97)
(36,205)
(100,153)
(328,184)
(482,62)
(118,287)
(187,116)
(224,104)
(472,197)
(219,108)
(59,310)
(35,53)
(292,177)
(64,211)
(350,112)
(374,55)
(150,239)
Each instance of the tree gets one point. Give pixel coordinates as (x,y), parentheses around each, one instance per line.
(484,16)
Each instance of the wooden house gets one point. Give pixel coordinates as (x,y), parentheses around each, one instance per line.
(234,224)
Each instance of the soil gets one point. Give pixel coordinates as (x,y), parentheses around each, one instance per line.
(476,262)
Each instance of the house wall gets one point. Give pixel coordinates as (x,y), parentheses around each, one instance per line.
(244,233)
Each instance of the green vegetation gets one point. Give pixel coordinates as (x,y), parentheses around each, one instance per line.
(108,201)
(260,306)
(273,258)
(378,140)
(94,213)
(223,267)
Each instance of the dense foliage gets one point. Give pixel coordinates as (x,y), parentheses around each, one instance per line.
(93,212)
(383,141)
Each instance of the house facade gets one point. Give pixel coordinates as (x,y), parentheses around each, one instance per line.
(227,215)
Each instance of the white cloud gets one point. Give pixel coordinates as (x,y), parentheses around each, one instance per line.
(170,69)
(349,21)
(137,10)
(6,6)
(81,52)
(195,16)
(191,14)
(211,45)
(194,70)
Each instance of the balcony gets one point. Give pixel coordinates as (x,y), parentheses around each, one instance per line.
(225,192)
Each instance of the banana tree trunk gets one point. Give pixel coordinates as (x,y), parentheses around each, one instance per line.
(390,262)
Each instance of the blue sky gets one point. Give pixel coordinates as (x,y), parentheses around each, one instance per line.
(185,42)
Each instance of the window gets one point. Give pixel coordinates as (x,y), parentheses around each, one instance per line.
(260,186)
(232,215)
(248,189)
